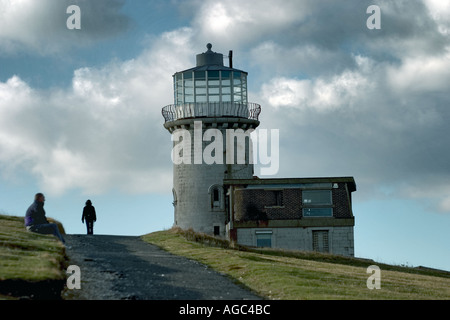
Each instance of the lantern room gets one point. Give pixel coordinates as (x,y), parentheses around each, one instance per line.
(210,82)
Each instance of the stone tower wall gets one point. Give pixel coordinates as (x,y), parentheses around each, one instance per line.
(194,184)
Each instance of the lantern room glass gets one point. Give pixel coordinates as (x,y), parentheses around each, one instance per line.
(210,86)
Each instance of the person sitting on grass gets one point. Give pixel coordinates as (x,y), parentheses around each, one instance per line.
(36,221)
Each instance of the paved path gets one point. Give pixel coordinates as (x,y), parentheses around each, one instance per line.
(121,267)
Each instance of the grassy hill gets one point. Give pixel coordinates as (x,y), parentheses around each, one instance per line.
(34,265)
(292,275)
(31,264)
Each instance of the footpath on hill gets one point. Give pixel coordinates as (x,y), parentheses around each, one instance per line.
(127,268)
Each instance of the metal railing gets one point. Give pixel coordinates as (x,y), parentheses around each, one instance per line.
(211,110)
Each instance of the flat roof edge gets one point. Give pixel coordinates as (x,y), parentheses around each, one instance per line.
(262,181)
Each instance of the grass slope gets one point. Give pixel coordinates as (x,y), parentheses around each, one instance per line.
(30,264)
(290,275)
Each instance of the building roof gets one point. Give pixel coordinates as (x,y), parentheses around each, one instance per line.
(211,68)
(291,182)
(210,61)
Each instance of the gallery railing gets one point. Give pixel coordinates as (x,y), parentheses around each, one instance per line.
(211,110)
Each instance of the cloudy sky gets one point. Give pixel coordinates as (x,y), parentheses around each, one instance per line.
(80,110)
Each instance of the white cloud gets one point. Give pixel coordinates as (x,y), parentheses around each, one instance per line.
(422,73)
(444,204)
(40,26)
(380,122)
(106,132)
(320,94)
(237,22)
(440,11)
(15,121)
(273,59)
(346,101)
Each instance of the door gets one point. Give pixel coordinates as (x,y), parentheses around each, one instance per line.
(320,241)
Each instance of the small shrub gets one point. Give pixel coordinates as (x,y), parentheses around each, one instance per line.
(207,240)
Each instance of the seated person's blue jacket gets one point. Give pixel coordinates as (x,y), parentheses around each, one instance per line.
(35,214)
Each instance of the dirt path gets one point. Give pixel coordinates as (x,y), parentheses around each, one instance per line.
(120,267)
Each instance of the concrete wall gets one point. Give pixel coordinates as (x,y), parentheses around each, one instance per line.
(340,239)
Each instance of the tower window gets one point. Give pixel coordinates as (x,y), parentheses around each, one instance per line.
(216,194)
(175,199)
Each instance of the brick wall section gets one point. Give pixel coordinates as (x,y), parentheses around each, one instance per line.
(341,203)
(259,204)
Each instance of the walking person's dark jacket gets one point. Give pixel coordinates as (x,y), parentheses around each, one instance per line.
(90,216)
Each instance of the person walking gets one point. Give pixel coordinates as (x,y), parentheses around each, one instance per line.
(90,216)
(36,221)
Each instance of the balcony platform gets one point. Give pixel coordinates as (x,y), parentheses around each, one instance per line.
(174,112)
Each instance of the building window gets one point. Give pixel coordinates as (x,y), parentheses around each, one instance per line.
(320,240)
(317,212)
(274,199)
(278,195)
(264,238)
(216,195)
(317,203)
(216,230)
(317,197)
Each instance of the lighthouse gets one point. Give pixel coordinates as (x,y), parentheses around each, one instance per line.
(210,121)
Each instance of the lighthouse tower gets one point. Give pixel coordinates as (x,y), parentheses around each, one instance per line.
(209,115)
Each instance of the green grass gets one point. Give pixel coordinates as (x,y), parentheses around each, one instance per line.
(293,275)
(30,258)
(27,257)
